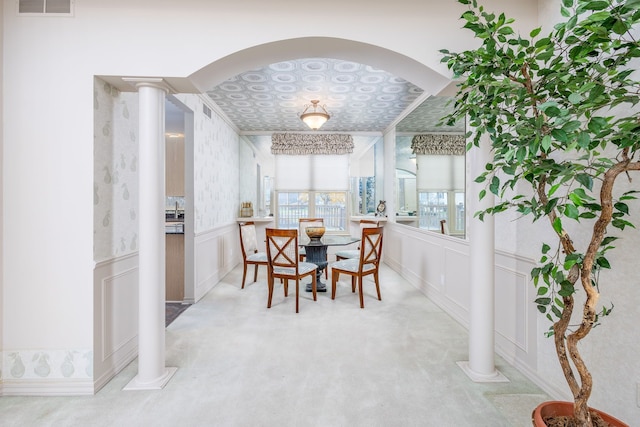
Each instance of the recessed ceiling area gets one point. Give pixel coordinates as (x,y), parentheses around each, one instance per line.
(358,97)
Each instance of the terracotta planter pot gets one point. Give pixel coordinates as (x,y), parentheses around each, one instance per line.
(557,408)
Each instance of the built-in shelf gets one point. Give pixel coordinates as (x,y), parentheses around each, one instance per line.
(256,219)
(371,217)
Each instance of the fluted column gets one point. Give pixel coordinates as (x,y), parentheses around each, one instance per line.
(152,373)
(481,364)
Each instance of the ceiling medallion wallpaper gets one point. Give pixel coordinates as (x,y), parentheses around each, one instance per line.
(359,98)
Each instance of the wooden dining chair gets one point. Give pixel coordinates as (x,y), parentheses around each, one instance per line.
(283,263)
(303,224)
(355,253)
(444,227)
(249,247)
(366,264)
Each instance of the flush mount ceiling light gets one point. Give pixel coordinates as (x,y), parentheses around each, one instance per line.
(314,118)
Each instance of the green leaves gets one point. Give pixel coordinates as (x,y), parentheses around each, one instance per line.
(543,102)
(585,180)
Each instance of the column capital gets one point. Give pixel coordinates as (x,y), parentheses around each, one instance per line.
(154,82)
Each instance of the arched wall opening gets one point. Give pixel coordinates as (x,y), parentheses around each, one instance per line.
(393,62)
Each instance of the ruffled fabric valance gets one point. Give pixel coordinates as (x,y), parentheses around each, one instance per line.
(439,144)
(305,144)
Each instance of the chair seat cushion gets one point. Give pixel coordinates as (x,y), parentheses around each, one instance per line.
(348,253)
(257,257)
(351,265)
(303,268)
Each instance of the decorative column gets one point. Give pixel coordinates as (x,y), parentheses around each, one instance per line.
(152,374)
(481,364)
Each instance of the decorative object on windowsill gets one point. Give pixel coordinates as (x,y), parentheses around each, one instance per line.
(302,144)
(314,118)
(315,233)
(381,209)
(246,210)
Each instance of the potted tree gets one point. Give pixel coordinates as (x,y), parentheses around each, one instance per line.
(559,111)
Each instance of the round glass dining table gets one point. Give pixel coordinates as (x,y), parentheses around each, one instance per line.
(316,250)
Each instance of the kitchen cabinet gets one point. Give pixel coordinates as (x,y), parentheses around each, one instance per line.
(174,176)
(174,267)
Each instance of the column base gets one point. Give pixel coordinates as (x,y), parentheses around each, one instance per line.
(495,377)
(156,384)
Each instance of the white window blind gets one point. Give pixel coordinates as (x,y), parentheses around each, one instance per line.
(440,172)
(365,165)
(312,172)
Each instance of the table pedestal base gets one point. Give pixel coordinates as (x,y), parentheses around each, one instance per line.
(317,254)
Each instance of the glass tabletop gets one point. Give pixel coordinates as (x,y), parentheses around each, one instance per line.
(333,240)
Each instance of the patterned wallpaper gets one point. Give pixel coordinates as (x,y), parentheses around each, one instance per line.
(216,168)
(115,185)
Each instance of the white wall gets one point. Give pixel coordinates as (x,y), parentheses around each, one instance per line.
(1,191)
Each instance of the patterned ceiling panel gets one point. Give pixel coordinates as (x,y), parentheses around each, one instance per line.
(426,117)
(359,98)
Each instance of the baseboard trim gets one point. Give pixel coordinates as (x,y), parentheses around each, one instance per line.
(62,387)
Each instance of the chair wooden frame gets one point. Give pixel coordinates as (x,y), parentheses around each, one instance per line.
(444,228)
(348,254)
(283,263)
(249,248)
(368,263)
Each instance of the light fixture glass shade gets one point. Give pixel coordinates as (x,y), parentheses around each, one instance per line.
(314,119)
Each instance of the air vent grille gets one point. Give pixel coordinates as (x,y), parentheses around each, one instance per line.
(41,7)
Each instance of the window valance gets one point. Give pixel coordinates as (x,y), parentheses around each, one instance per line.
(439,144)
(305,144)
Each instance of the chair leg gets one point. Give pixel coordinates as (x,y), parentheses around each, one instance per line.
(314,287)
(297,287)
(244,274)
(255,273)
(375,278)
(334,280)
(286,287)
(270,282)
(361,294)
(353,284)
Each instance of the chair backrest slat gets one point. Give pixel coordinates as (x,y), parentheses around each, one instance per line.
(282,247)
(370,246)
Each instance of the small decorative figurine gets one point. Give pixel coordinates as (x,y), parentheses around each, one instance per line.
(382,207)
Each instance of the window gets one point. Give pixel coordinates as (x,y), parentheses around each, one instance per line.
(312,186)
(363,190)
(437,205)
(331,206)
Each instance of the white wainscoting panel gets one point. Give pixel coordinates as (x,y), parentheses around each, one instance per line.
(115,317)
(439,267)
(217,252)
(515,311)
